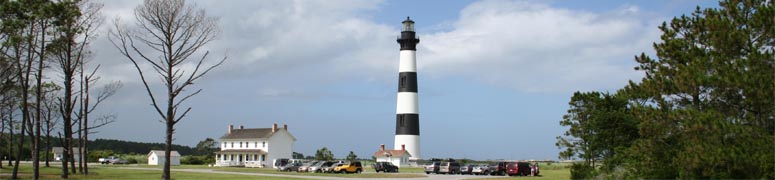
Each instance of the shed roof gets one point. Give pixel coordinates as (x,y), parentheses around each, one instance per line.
(160,153)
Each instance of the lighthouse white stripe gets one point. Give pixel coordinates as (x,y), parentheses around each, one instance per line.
(407,61)
(412,143)
(407,103)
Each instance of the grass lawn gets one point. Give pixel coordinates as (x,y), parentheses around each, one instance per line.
(104,172)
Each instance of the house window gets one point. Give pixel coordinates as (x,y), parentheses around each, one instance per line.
(240,144)
(262,157)
(263,144)
(232,144)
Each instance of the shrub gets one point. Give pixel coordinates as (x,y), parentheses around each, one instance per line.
(581,171)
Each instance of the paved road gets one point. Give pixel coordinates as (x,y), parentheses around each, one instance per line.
(430,176)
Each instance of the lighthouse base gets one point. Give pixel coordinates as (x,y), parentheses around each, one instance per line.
(411,143)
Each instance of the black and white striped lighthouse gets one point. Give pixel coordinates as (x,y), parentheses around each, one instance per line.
(407,111)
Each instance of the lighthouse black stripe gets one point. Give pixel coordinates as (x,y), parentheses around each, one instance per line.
(407,124)
(408,41)
(407,82)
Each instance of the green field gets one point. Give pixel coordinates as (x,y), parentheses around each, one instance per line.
(107,172)
(548,171)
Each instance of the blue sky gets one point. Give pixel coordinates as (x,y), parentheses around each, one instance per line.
(494,76)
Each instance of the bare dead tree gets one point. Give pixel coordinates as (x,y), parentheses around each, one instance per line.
(88,106)
(172,32)
(50,115)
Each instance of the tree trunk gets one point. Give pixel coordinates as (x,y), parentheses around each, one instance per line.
(167,150)
(38,101)
(10,139)
(80,121)
(85,149)
(67,118)
(48,147)
(24,78)
(170,130)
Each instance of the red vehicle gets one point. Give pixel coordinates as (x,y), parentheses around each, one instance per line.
(518,168)
(498,168)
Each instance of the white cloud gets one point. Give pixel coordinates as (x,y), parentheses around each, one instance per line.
(537,48)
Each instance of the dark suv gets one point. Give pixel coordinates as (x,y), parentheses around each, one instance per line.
(498,168)
(385,167)
(449,168)
(518,168)
(432,167)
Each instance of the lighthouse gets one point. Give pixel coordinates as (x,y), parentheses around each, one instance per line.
(407,111)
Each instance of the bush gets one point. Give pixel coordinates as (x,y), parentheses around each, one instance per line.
(581,171)
(94,155)
(135,158)
(195,160)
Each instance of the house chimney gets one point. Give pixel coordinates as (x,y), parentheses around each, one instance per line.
(285,126)
(241,127)
(403,147)
(230,128)
(382,147)
(274,127)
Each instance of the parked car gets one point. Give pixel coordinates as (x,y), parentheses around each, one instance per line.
(385,167)
(481,169)
(498,168)
(107,160)
(351,167)
(290,167)
(330,169)
(432,167)
(318,168)
(281,162)
(518,168)
(466,169)
(118,161)
(305,167)
(449,168)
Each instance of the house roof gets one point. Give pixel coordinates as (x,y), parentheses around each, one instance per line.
(394,153)
(59,150)
(248,133)
(160,153)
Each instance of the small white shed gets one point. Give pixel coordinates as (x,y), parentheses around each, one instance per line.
(156,157)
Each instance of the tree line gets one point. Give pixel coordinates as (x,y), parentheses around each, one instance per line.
(48,74)
(705,108)
(111,145)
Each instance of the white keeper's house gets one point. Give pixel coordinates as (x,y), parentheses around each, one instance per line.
(254,147)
